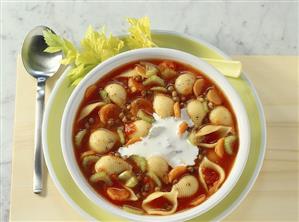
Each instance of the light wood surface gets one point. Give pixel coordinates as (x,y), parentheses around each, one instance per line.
(274,196)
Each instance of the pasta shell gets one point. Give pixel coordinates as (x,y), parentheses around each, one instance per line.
(132,196)
(221,116)
(159,167)
(198,87)
(141,129)
(170,196)
(89,108)
(102,140)
(163,105)
(184,83)
(206,163)
(214,97)
(79,137)
(208,129)
(187,186)
(117,94)
(196,111)
(112,165)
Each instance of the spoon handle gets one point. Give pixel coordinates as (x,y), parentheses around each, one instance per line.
(38,153)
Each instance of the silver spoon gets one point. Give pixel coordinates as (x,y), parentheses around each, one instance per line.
(40,65)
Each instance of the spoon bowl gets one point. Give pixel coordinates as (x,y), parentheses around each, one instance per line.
(37,62)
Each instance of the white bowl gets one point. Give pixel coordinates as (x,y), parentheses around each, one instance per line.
(155,53)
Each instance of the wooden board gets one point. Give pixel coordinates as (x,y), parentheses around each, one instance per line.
(273,197)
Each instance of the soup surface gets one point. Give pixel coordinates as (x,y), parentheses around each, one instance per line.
(155,137)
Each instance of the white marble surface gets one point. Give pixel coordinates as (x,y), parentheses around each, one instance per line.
(263,28)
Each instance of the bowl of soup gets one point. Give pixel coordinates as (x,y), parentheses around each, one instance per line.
(155,134)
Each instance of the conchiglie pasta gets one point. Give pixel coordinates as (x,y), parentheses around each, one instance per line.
(163,105)
(112,165)
(197,111)
(206,163)
(171,198)
(141,129)
(221,116)
(117,94)
(184,83)
(102,140)
(159,166)
(187,186)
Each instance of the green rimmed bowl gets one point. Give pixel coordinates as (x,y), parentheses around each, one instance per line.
(64,182)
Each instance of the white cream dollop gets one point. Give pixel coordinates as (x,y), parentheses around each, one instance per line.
(163,140)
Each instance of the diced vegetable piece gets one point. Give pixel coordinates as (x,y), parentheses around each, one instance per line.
(214,97)
(121,135)
(128,178)
(89,160)
(140,162)
(159,89)
(198,200)
(101,176)
(129,73)
(90,91)
(87,153)
(89,109)
(141,104)
(140,70)
(144,116)
(109,111)
(104,96)
(126,175)
(155,178)
(134,85)
(167,70)
(219,148)
(177,110)
(133,140)
(182,128)
(228,144)
(154,80)
(133,210)
(150,69)
(132,182)
(79,137)
(118,194)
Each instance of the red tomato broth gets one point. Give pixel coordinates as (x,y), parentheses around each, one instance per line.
(183,203)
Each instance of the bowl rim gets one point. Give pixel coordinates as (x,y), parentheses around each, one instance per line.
(150,53)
